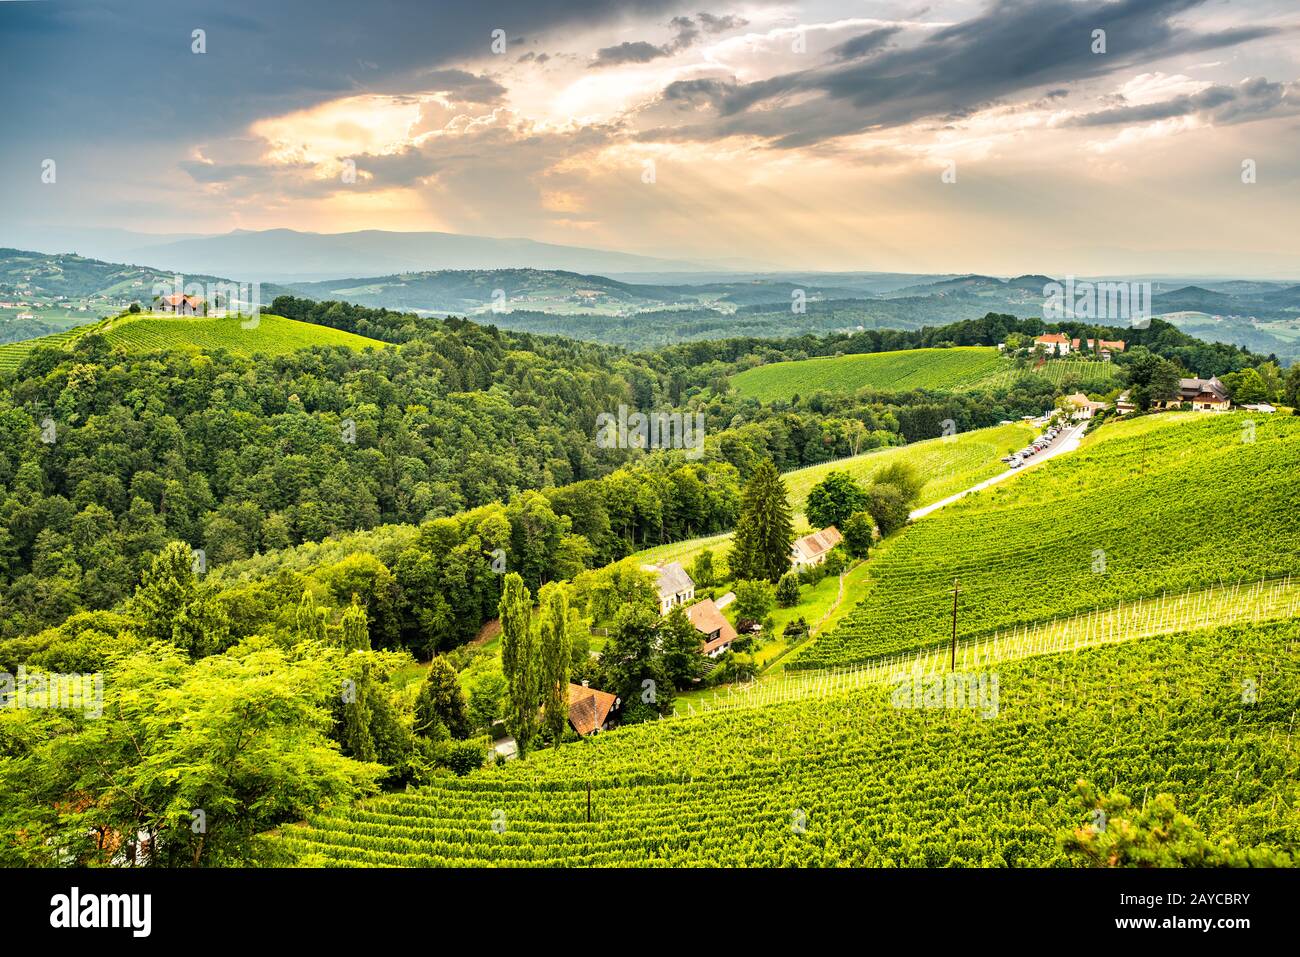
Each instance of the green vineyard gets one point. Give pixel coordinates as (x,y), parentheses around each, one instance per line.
(145,332)
(1165,504)
(864,778)
(959,369)
(12,353)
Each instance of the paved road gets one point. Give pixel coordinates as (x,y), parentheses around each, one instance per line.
(1066,441)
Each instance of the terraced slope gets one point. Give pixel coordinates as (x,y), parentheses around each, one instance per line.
(1160,504)
(145,332)
(964,368)
(852,779)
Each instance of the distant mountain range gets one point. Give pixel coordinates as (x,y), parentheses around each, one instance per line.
(665,307)
(282,255)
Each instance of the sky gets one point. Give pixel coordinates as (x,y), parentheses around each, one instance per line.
(998,136)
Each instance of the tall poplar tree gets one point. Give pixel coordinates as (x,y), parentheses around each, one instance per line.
(356,628)
(519,660)
(765,531)
(554,647)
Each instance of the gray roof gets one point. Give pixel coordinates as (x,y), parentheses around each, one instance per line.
(673,579)
(1190,388)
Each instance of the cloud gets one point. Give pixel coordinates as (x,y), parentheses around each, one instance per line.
(687,33)
(638,51)
(1012,48)
(1218,104)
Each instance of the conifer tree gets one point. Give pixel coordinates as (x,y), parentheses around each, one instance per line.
(519,661)
(765,531)
(554,644)
(356,629)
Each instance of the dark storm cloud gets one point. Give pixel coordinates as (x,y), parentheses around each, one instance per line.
(1250,100)
(686,33)
(864,43)
(80,70)
(639,51)
(1011,48)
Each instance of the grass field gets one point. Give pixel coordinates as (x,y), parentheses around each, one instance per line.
(146,332)
(949,464)
(867,778)
(1160,503)
(959,369)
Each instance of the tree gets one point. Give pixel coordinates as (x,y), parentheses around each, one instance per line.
(679,644)
(787,590)
(1291,390)
(519,661)
(1151,378)
(834,499)
(554,648)
(887,508)
(631,666)
(702,572)
(904,477)
(441,703)
(859,532)
(764,532)
(356,630)
(309,619)
(1246,387)
(754,601)
(487,699)
(239,738)
(166,588)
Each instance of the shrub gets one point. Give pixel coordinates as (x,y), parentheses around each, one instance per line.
(858,532)
(887,507)
(787,590)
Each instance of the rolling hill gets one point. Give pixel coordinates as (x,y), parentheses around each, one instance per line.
(959,369)
(1138,511)
(147,332)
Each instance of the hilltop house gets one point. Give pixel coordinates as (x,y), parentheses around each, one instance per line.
(1084,408)
(1125,404)
(717,632)
(675,587)
(1054,343)
(180,304)
(812,549)
(1204,395)
(1103,346)
(590,709)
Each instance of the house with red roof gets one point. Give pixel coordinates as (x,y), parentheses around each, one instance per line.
(180,304)
(717,633)
(1054,343)
(590,709)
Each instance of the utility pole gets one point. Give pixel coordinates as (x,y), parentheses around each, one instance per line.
(588,802)
(955,588)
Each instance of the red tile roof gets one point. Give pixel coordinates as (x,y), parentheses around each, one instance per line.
(707,620)
(589,708)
